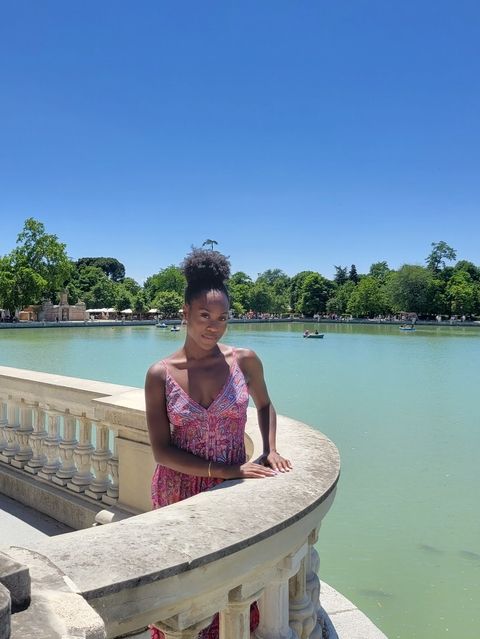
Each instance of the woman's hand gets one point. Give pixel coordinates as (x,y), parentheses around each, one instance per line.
(276,462)
(249,470)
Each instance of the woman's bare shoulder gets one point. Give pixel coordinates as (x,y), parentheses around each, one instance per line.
(156,372)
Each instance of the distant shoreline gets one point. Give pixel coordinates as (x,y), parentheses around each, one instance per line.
(119,323)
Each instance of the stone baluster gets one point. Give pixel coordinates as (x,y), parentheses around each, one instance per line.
(313,583)
(66,451)
(22,436)
(82,456)
(111,498)
(12,447)
(274,603)
(302,612)
(38,459)
(100,458)
(235,618)
(51,445)
(3,423)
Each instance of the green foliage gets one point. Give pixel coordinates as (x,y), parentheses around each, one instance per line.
(170,278)
(315,292)
(112,268)
(440,253)
(44,255)
(339,302)
(463,294)
(123,298)
(341,275)
(240,278)
(168,303)
(276,280)
(414,289)
(368,299)
(296,289)
(261,299)
(237,309)
(380,271)
(353,275)
(20,285)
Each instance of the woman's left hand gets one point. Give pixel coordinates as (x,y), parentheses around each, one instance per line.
(276,462)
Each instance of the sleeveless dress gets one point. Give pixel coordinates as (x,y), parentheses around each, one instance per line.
(216,434)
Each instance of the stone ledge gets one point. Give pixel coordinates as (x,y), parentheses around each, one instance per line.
(56,610)
(15,577)
(343,620)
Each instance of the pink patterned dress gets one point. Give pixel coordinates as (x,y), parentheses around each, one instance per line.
(215,433)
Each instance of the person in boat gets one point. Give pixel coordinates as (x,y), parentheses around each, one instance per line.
(186,397)
(306,333)
(316,332)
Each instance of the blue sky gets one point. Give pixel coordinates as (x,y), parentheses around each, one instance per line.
(299,135)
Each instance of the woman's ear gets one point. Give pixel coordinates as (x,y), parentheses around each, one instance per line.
(186,309)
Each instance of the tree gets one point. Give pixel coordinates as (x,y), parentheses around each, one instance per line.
(440,253)
(168,303)
(414,289)
(112,268)
(353,275)
(368,298)
(276,280)
(44,255)
(315,292)
(462,293)
(19,285)
(170,278)
(296,286)
(261,300)
(339,302)
(240,278)
(210,243)
(123,298)
(341,275)
(380,271)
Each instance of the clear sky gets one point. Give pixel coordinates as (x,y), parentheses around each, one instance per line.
(298,135)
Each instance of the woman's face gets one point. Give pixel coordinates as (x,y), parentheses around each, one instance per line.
(207,317)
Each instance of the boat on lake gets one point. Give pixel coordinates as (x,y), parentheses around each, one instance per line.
(317,335)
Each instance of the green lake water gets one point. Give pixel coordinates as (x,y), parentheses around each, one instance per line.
(402,540)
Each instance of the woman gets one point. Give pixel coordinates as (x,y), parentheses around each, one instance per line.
(197,398)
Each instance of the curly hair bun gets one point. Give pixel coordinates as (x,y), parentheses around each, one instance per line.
(209,268)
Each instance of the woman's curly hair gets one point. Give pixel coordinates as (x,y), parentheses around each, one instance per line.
(205,271)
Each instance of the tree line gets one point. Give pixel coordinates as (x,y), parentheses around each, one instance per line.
(39,267)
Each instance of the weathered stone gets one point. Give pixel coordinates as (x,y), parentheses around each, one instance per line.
(15,577)
(5,609)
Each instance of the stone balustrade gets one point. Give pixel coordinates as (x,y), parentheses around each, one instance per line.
(178,566)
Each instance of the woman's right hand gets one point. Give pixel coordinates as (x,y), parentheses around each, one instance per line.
(249,470)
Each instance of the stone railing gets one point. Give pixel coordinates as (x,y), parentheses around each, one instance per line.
(176,567)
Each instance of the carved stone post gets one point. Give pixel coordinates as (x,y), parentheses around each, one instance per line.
(12,447)
(274,603)
(235,618)
(38,459)
(3,423)
(82,456)
(22,436)
(66,451)
(302,612)
(111,498)
(313,582)
(100,458)
(51,447)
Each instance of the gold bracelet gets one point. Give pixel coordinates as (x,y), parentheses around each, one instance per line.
(209,469)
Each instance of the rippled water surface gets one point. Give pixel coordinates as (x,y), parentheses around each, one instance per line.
(402,539)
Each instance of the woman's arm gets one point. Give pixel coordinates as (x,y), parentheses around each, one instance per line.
(267,417)
(166,454)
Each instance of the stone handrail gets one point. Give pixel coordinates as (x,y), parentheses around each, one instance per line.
(215,552)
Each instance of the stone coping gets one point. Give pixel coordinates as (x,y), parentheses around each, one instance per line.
(202,529)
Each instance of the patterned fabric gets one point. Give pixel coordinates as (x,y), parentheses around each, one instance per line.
(215,433)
